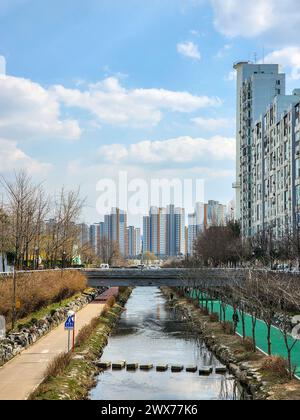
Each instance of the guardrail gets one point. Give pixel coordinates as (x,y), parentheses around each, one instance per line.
(11,273)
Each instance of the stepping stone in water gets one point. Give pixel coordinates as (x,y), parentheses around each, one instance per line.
(103,365)
(146,367)
(221,370)
(177,368)
(162,368)
(192,369)
(132,366)
(118,365)
(205,371)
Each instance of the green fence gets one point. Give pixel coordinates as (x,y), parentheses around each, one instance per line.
(278,344)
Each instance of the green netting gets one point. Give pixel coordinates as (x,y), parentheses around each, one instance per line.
(278,345)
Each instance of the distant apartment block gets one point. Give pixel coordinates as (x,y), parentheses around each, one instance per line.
(84,235)
(134,242)
(164,232)
(115,229)
(206,215)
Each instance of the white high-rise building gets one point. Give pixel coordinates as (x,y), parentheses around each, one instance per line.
(196,225)
(276,168)
(257,85)
(215,214)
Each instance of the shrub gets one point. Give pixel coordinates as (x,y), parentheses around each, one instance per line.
(278,366)
(228,328)
(111,302)
(248,344)
(57,366)
(85,332)
(205,311)
(214,317)
(39,289)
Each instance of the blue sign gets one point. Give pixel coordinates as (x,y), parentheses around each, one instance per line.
(69,324)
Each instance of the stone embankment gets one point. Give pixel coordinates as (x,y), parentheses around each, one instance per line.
(224,347)
(85,364)
(14,343)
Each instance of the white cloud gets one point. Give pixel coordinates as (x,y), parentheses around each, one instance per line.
(113,104)
(223,51)
(231,76)
(2,65)
(13,158)
(177,151)
(27,110)
(189,49)
(248,18)
(288,57)
(213,124)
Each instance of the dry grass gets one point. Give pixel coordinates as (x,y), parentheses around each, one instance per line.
(57,366)
(111,302)
(214,317)
(278,367)
(228,328)
(248,344)
(85,332)
(36,290)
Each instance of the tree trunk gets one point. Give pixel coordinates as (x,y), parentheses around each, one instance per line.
(253,332)
(269,326)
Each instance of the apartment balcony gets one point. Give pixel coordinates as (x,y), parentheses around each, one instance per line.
(236,185)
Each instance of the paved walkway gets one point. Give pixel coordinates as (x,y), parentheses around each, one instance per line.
(278,344)
(23,374)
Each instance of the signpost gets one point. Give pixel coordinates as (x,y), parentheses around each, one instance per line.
(70,327)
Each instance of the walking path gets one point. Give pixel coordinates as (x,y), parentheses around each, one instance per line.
(278,345)
(23,374)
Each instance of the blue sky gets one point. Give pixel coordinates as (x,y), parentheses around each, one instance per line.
(99,86)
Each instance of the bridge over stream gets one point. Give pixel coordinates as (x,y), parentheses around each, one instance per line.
(172,277)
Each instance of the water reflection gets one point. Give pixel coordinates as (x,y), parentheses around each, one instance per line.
(151,332)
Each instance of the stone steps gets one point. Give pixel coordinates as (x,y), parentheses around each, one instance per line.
(203,370)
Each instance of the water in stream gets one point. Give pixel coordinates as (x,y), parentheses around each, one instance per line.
(151,332)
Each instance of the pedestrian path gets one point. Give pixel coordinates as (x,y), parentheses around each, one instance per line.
(23,374)
(278,344)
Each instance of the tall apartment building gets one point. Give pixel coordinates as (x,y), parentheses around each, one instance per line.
(115,229)
(276,167)
(196,225)
(134,242)
(268,151)
(164,231)
(96,234)
(206,215)
(84,235)
(257,85)
(214,214)
(175,231)
(93,237)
